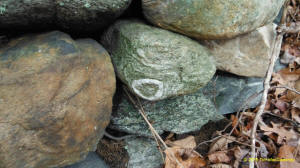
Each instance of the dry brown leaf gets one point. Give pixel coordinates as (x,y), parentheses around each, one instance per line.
(265,164)
(188,142)
(296,102)
(286,152)
(283,134)
(182,150)
(221,144)
(186,158)
(220,165)
(285,77)
(271,146)
(219,157)
(295,114)
(235,121)
(281,105)
(239,153)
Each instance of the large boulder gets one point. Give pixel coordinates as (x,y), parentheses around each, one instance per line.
(155,63)
(79,15)
(207,19)
(20,14)
(55,99)
(179,115)
(88,15)
(245,55)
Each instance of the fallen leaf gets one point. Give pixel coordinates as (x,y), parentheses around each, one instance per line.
(220,165)
(281,105)
(221,144)
(295,112)
(286,152)
(235,121)
(283,134)
(188,142)
(183,155)
(270,145)
(219,157)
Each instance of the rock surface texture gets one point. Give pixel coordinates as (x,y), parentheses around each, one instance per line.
(143,153)
(91,161)
(207,19)
(239,55)
(179,115)
(79,15)
(88,14)
(55,99)
(156,64)
(20,14)
(229,92)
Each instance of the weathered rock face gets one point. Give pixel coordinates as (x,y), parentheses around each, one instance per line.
(16,13)
(88,15)
(69,14)
(230,92)
(155,63)
(55,99)
(143,153)
(91,161)
(179,115)
(245,55)
(206,19)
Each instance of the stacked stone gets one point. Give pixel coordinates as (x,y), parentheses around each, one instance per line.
(56,93)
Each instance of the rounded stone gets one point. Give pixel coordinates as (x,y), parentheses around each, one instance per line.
(207,19)
(55,99)
(155,63)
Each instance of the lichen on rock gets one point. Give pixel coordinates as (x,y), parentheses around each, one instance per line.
(155,63)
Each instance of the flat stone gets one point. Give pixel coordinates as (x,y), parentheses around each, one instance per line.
(143,152)
(245,55)
(55,99)
(92,160)
(70,15)
(88,15)
(179,115)
(155,63)
(206,19)
(16,14)
(230,92)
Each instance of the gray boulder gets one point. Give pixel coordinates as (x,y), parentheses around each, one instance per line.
(143,152)
(242,54)
(179,115)
(92,160)
(206,19)
(155,63)
(230,92)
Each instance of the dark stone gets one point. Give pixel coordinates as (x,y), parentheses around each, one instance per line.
(92,160)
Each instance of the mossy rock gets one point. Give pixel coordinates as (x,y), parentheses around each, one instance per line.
(211,19)
(155,63)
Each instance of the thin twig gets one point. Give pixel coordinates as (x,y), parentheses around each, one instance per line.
(288,88)
(244,107)
(274,55)
(142,112)
(117,138)
(286,119)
